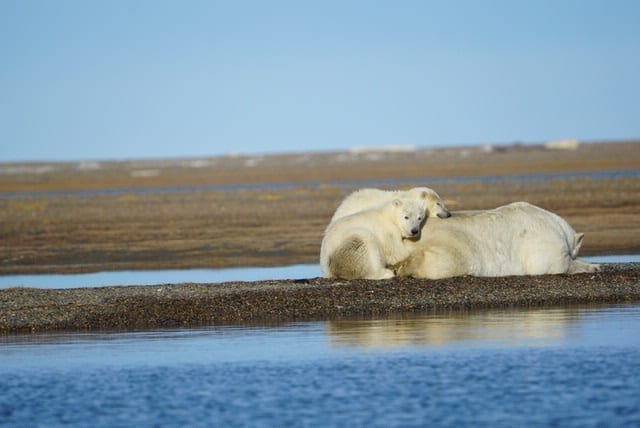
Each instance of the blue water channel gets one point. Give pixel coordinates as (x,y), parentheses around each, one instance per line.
(570,366)
(178,276)
(560,366)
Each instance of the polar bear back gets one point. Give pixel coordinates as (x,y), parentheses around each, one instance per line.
(361,200)
(367,198)
(515,239)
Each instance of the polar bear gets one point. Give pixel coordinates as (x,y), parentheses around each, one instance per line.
(515,239)
(367,198)
(367,243)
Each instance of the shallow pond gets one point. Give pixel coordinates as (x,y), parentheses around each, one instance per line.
(156,277)
(572,366)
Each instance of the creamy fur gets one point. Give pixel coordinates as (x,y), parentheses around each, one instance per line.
(367,198)
(515,239)
(367,243)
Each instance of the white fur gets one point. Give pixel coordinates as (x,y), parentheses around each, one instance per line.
(367,243)
(515,239)
(367,198)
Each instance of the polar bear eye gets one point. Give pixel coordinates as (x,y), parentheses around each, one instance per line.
(406,217)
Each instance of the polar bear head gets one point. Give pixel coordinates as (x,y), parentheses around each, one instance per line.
(409,215)
(434,204)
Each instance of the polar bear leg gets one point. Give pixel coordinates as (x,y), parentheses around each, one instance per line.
(579,266)
(542,263)
(358,256)
(376,265)
(432,263)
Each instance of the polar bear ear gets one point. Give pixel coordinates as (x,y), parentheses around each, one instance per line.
(397,202)
(424,194)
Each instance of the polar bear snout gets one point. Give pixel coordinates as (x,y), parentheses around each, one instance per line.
(444,214)
(413,234)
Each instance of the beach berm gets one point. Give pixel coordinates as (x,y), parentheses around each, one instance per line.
(272,302)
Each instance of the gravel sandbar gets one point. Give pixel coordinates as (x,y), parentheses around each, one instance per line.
(191,305)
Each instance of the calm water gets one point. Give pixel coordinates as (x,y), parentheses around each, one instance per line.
(156,277)
(576,366)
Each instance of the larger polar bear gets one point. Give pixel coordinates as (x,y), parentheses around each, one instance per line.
(515,239)
(367,198)
(366,244)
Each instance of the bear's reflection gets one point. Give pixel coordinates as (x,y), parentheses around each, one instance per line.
(509,327)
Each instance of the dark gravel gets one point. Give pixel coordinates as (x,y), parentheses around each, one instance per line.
(191,305)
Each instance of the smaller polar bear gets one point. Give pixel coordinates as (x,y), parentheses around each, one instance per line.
(366,244)
(515,239)
(367,198)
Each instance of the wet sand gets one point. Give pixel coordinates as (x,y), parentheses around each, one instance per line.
(271,210)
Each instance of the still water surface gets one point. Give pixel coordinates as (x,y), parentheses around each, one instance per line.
(574,366)
(157,277)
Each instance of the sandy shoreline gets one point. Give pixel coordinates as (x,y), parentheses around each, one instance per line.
(192,305)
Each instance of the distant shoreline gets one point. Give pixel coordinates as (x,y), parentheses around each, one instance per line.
(604,175)
(310,167)
(202,161)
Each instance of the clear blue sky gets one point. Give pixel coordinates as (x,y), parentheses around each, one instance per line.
(123,79)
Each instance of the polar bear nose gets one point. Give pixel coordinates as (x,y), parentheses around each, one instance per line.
(415,231)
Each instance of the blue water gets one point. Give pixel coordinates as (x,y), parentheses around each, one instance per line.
(207,276)
(573,366)
(157,277)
